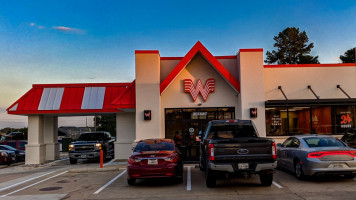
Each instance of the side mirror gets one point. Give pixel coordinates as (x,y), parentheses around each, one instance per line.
(279,145)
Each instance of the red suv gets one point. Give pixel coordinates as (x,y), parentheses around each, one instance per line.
(155,158)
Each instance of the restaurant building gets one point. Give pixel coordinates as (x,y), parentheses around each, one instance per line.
(175,97)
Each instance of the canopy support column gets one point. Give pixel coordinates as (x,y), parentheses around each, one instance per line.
(35,149)
(51,137)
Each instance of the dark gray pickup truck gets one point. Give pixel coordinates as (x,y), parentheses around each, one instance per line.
(233,147)
(88,146)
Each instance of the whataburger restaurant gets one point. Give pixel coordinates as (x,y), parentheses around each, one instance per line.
(175,97)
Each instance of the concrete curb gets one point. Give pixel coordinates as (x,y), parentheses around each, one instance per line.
(89,169)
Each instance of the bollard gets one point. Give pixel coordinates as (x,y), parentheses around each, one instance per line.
(101,158)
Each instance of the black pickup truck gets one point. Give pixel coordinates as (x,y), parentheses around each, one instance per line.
(233,147)
(88,146)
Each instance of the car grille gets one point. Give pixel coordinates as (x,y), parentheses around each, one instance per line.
(84,148)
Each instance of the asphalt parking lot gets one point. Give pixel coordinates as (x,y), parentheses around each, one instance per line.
(64,181)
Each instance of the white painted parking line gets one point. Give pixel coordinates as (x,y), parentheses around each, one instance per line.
(33,184)
(277,185)
(189,179)
(22,182)
(107,184)
(109,163)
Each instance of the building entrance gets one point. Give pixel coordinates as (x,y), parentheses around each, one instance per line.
(183,125)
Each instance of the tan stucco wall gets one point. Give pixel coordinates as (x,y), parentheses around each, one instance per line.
(125,134)
(198,68)
(148,95)
(166,67)
(323,80)
(252,88)
(231,65)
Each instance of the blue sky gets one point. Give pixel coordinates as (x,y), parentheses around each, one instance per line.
(94,41)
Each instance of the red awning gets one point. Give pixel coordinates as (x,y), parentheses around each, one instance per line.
(73,99)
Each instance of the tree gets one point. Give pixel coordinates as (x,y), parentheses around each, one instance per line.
(106,123)
(292,48)
(349,56)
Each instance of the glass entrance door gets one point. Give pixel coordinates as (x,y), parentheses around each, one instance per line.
(183,126)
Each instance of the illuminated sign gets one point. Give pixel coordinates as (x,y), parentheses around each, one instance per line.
(147,114)
(199,88)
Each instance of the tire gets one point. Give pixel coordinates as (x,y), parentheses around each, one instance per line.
(210,179)
(298,171)
(179,179)
(131,181)
(201,166)
(349,176)
(266,179)
(73,161)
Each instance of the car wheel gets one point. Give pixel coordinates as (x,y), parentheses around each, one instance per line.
(298,171)
(349,176)
(73,161)
(210,178)
(131,181)
(266,179)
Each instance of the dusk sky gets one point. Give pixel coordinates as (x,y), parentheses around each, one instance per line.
(94,41)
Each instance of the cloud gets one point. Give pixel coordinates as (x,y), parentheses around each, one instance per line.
(32,24)
(68,29)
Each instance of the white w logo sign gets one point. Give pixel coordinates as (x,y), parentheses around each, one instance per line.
(194,91)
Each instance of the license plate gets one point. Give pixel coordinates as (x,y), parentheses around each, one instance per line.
(152,161)
(336,165)
(242,166)
(83,156)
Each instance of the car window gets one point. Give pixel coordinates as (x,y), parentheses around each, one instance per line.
(2,148)
(323,142)
(218,131)
(159,146)
(287,143)
(295,143)
(91,137)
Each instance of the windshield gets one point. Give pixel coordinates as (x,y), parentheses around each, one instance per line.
(231,131)
(159,146)
(323,142)
(9,147)
(91,137)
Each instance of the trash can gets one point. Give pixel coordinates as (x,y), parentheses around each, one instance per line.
(65,144)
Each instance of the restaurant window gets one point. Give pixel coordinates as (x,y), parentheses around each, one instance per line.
(276,121)
(299,120)
(321,120)
(344,118)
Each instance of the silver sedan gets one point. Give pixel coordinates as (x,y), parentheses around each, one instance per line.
(308,155)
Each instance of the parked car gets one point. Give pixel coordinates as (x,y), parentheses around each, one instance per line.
(155,158)
(234,147)
(15,136)
(20,154)
(17,144)
(350,138)
(88,146)
(308,155)
(5,158)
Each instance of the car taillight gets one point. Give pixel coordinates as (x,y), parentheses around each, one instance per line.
(321,154)
(274,150)
(133,160)
(211,152)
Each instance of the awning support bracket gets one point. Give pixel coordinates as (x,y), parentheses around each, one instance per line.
(338,86)
(280,88)
(309,87)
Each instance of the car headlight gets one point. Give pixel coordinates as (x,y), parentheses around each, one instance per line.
(22,153)
(98,146)
(71,147)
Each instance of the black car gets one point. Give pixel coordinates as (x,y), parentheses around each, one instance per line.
(20,154)
(88,146)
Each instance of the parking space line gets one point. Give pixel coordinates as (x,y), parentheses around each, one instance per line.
(108,183)
(109,163)
(189,179)
(277,185)
(33,184)
(22,182)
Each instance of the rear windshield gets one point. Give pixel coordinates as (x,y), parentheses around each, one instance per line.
(231,131)
(323,142)
(91,137)
(159,146)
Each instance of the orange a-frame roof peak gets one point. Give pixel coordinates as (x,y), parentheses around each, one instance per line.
(199,48)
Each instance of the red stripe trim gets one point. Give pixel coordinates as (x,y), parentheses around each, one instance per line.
(198,47)
(63,111)
(311,65)
(252,50)
(79,85)
(180,58)
(146,51)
